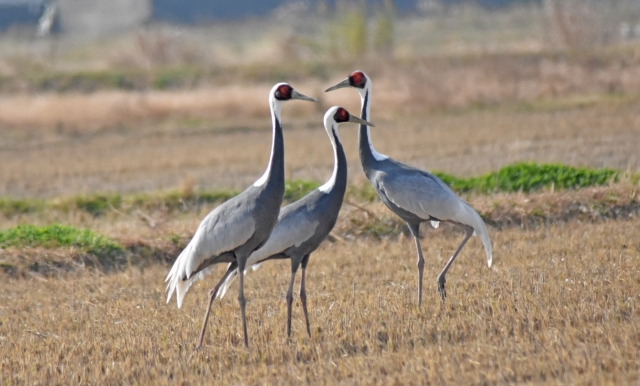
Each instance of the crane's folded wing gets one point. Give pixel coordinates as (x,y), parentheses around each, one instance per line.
(292,229)
(421,194)
(224,229)
(427,196)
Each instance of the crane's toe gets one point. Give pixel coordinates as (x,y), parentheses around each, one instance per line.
(441,282)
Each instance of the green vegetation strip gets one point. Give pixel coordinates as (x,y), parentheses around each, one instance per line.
(52,236)
(529,177)
(525,177)
(99,204)
(68,248)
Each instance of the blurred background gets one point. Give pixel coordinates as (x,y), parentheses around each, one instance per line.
(97,81)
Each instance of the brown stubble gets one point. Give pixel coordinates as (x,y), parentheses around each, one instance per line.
(559,305)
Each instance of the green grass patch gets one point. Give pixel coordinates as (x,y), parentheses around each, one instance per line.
(528,177)
(53,236)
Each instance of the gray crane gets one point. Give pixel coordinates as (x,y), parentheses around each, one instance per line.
(235,229)
(414,195)
(304,224)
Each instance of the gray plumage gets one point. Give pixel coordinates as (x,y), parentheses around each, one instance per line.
(303,225)
(236,228)
(414,195)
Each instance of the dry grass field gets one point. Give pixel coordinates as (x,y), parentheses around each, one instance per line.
(560,306)
(464,93)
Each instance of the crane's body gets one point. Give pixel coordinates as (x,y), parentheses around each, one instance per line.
(303,225)
(414,195)
(301,228)
(238,227)
(417,196)
(233,230)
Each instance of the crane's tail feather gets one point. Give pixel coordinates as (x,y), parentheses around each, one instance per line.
(181,270)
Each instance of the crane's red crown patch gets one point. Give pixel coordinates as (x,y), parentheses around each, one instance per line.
(283,92)
(341,115)
(357,79)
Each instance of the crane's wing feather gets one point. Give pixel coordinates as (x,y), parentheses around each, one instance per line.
(224,229)
(293,229)
(426,196)
(295,226)
(420,193)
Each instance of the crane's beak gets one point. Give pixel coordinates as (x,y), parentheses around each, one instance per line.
(360,121)
(343,84)
(297,95)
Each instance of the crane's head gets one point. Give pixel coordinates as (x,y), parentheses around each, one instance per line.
(357,79)
(283,92)
(336,115)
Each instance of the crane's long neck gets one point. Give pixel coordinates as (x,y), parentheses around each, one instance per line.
(337,184)
(274,175)
(368,155)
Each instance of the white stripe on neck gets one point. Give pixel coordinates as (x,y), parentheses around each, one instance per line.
(367,90)
(328,186)
(376,155)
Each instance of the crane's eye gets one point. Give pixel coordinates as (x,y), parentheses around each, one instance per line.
(341,115)
(357,79)
(283,92)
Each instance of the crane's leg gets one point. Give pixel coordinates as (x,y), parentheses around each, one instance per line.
(242,300)
(441,278)
(303,293)
(212,296)
(415,231)
(294,269)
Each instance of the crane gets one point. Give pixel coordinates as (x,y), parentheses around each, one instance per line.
(414,195)
(304,224)
(236,228)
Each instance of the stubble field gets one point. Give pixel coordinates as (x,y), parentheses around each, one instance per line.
(558,306)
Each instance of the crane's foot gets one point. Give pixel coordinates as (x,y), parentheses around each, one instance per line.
(441,282)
